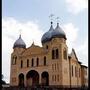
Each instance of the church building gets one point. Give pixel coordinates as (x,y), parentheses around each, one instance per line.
(47,65)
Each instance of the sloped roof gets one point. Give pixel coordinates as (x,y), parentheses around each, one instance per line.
(33,50)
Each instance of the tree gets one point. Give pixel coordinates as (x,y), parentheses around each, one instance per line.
(2,81)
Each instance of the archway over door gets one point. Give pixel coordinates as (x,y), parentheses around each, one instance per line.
(45,78)
(32,78)
(21,79)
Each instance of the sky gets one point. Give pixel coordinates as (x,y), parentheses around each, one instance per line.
(30,18)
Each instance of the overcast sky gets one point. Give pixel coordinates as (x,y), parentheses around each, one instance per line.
(32,18)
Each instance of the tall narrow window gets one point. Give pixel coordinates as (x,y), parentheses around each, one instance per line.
(57,54)
(15,60)
(52,77)
(72,70)
(44,61)
(32,62)
(65,54)
(21,64)
(79,72)
(27,62)
(75,72)
(46,46)
(53,52)
(57,77)
(37,61)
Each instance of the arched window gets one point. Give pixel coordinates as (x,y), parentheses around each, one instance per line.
(32,62)
(53,53)
(21,79)
(65,54)
(27,62)
(14,59)
(37,61)
(57,54)
(44,60)
(21,64)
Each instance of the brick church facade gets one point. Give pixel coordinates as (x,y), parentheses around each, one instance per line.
(47,65)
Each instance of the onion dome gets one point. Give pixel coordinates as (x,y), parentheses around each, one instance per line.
(47,36)
(19,43)
(58,32)
(53,33)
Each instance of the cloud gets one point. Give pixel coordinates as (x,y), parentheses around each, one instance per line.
(76,6)
(71,34)
(72,37)
(82,51)
(31,31)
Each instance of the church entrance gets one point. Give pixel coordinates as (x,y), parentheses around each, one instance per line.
(32,78)
(45,78)
(21,79)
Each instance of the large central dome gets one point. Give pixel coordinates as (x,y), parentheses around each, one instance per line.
(52,33)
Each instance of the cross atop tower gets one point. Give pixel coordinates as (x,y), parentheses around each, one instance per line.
(57,19)
(20,31)
(51,17)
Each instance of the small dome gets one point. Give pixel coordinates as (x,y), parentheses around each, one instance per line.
(58,32)
(19,43)
(47,36)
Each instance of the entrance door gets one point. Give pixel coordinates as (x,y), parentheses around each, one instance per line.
(32,77)
(45,78)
